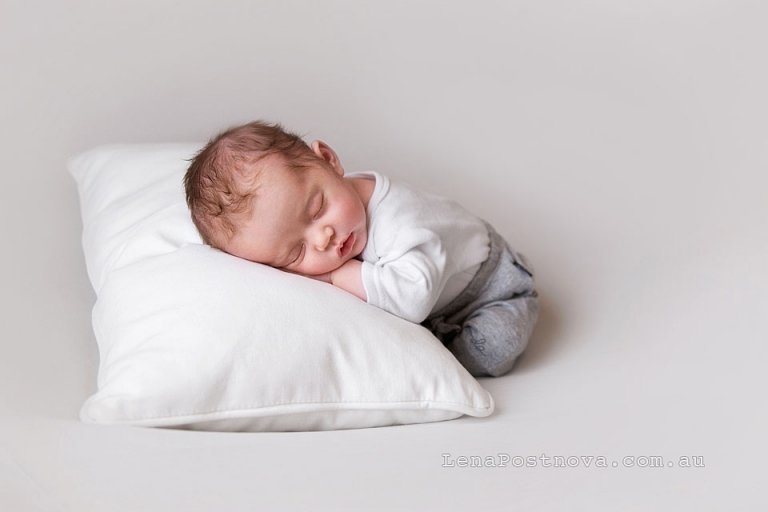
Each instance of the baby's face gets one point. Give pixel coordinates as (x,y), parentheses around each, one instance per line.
(308,222)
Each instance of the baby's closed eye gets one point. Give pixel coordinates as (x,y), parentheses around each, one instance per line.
(318,206)
(296,255)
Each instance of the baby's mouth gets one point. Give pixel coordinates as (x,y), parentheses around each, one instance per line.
(347,245)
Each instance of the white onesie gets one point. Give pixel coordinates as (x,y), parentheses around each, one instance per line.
(422,249)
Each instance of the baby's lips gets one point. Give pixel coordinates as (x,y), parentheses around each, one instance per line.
(346,245)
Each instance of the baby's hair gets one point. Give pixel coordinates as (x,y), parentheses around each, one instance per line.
(222,178)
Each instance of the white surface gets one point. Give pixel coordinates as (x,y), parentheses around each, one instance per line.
(621,146)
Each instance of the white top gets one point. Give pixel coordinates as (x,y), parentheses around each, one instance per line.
(422,249)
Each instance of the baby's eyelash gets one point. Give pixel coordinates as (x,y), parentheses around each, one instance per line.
(301,250)
(320,210)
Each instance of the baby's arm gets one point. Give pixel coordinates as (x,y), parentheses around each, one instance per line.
(407,286)
(406,283)
(348,277)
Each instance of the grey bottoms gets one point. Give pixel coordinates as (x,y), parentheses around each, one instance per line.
(488,325)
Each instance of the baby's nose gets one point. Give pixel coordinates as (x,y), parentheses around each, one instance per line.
(324,238)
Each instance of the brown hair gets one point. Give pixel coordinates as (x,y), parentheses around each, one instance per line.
(221,180)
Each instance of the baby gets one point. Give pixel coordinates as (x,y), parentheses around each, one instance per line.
(261,193)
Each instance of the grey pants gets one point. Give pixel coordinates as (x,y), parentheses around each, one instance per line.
(488,325)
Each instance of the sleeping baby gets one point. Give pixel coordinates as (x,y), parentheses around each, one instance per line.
(261,193)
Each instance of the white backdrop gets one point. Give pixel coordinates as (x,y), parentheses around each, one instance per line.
(622,146)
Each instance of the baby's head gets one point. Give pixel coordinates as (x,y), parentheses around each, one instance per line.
(261,193)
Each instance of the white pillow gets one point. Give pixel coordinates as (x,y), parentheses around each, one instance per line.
(191,337)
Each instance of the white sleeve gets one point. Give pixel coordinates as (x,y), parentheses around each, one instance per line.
(409,280)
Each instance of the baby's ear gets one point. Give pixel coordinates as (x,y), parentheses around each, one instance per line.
(324,151)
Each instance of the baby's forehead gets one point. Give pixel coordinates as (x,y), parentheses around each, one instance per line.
(252,175)
(275,173)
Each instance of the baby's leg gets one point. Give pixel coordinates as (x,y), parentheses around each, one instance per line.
(493,336)
(488,325)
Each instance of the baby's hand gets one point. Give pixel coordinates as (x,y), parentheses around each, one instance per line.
(347,277)
(326,278)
